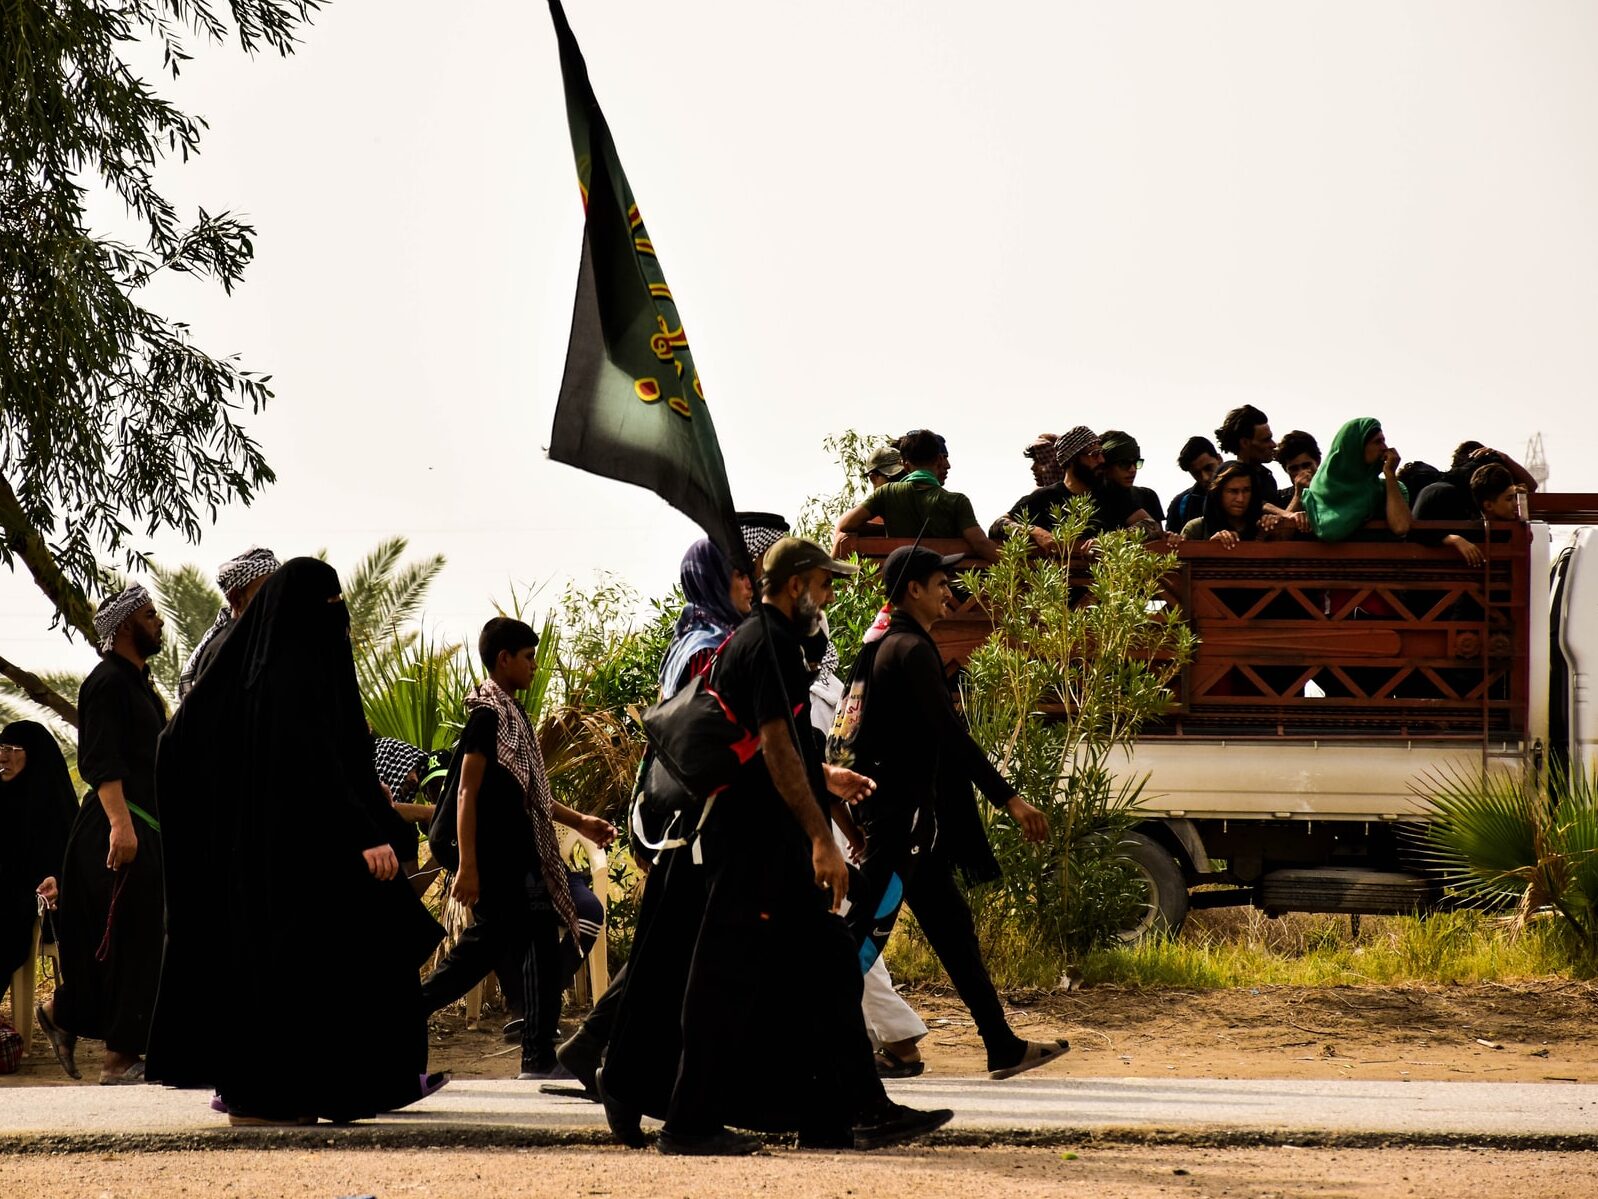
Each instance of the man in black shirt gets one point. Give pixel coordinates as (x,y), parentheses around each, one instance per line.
(1201,459)
(1080,455)
(1245,433)
(1449,498)
(911,740)
(110,911)
(771,948)
(510,872)
(1123,458)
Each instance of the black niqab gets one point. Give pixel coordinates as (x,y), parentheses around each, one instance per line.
(36,811)
(290,981)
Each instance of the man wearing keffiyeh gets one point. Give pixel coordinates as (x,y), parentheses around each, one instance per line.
(511,873)
(110,910)
(239,578)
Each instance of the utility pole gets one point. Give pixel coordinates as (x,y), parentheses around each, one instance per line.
(1536,462)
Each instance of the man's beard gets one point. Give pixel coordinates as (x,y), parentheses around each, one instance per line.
(147,644)
(1086,475)
(807,614)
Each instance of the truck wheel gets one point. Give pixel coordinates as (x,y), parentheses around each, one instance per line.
(1166,904)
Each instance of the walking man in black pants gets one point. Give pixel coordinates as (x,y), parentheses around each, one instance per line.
(901,728)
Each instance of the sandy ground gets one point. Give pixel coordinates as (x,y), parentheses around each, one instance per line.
(1104,1173)
(1533,1033)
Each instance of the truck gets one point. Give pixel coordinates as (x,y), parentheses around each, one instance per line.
(1330,683)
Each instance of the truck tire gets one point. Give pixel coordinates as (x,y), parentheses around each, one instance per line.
(1166,906)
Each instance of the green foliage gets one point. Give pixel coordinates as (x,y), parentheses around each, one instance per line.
(1231,948)
(819,514)
(384,597)
(1078,660)
(1504,839)
(112,416)
(413,692)
(189,602)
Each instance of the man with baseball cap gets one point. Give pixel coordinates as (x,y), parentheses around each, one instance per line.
(770,946)
(921,824)
(917,504)
(1123,458)
(884,466)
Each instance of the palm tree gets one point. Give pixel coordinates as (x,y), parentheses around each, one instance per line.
(189,603)
(383,597)
(1511,839)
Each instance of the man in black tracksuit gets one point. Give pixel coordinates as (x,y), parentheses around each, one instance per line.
(921,822)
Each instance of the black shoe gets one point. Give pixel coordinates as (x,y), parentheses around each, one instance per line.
(893,1123)
(581,1054)
(723,1143)
(1032,1055)
(626,1124)
(826,1138)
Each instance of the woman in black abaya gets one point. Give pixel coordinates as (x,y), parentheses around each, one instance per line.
(37,805)
(290,981)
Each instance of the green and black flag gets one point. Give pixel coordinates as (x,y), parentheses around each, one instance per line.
(631,406)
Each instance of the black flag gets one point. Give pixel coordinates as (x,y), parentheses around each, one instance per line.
(631,405)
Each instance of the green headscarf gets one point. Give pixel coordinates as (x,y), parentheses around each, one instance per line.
(1346,491)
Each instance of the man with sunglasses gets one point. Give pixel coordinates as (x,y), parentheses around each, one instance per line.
(1122,460)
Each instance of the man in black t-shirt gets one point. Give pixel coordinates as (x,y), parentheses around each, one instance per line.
(111,906)
(1201,459)
(1080,454)
(771,949)
(509,872)
(1246,434)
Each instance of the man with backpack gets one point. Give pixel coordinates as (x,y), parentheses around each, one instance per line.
(759,919)
(898,725)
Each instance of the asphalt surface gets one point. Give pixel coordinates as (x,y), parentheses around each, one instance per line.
(1040,1110)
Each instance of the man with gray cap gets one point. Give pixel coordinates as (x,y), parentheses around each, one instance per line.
(110,910)
(884,466)
(239,578)
(899,726)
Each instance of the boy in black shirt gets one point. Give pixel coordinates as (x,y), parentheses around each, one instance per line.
(510,872)
(915,835)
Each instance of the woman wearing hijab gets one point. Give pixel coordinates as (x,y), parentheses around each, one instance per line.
(37,806)
(718,598)
(1357,482)
(1233,512)
(258,984)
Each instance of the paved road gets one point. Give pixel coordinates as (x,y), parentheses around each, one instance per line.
(1273,1110)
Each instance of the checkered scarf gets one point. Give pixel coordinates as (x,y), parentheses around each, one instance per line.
(114,612)
(1071,443)
(395,760)
(760,532)
(517,750)
(252,564)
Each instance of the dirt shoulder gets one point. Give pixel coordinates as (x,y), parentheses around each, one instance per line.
(1133,1173)
(1533,1033)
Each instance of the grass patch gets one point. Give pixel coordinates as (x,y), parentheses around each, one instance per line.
(1243,948)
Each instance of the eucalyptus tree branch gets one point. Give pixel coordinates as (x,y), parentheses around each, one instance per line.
(40,692)
(23,541)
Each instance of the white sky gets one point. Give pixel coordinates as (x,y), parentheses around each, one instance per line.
(986,219)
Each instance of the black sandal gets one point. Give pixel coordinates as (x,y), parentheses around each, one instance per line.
(64,1044)
(891,1065)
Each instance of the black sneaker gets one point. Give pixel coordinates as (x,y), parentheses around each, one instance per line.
(626,1123)
(893,1124)
(722,1143)
(581,1055)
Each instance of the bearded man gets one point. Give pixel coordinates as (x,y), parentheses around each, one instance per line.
(110,909)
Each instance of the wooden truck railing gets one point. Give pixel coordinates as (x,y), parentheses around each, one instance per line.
(1361,639)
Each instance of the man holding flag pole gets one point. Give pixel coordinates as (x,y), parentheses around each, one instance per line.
(765,939)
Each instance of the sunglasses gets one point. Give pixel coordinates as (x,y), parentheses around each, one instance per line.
(1136,464)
